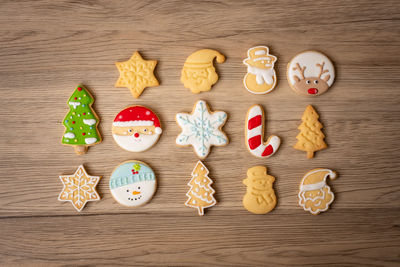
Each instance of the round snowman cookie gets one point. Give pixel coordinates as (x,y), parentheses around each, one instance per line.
(133,183)
(310,73)
(136,128)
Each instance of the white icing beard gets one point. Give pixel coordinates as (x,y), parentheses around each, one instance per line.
(262,75)
(133,144)
(124,196)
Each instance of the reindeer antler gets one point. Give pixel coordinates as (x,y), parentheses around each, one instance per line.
(300,69)
(322,71)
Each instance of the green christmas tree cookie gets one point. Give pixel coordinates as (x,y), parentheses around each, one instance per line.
(81,122)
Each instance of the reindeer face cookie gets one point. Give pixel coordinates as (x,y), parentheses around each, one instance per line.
(310,73)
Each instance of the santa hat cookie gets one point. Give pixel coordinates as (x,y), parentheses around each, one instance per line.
(136,128)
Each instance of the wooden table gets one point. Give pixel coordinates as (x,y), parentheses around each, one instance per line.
(49,47)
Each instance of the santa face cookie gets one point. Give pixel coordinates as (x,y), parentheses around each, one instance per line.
(310,73)
(133,183)
(315,195)
(136,128)
(198,73)
(260,77)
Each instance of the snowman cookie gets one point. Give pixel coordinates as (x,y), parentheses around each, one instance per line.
(310,73)
(136,128)
(261,76)
(133,183)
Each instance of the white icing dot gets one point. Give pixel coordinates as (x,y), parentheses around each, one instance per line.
(147,112)
(197,189)
(202,168)
(138,116)
(194,201)
(204,180)
(205,193)
(152,119)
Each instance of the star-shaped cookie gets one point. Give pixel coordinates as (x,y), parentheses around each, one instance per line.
(79,188)
(136,74)
(201,129)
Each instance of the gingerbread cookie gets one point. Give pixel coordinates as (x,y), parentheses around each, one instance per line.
(133,183)
(315,195)
(81,122)
(136,74)
(198,73)
(260,77)
(79,188)
(202,129)
(260,195)
(200,194)
(310,138)
(136,128)
(310,73)
(255,134)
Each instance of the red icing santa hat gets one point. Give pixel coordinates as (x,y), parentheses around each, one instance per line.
(137,116)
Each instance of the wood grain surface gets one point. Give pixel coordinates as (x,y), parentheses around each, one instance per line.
(49,47)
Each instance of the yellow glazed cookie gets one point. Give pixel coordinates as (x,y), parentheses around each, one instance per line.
(136,74)
(200,194)
(198,73)
(260,196)
(310,138)
(79,188)
(260,77)
(315,195)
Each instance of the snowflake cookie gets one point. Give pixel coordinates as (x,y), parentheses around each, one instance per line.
(79,188)
(202,129)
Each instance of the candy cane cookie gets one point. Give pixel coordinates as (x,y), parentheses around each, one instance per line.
(255,134)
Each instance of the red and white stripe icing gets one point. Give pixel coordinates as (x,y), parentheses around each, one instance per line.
(254,134)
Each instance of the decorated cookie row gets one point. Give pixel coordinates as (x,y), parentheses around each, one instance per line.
(309,73)
(138,128)
(133,183)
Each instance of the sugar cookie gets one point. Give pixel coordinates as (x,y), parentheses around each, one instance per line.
(310,138)
(200,194)
(136,74)
(133,183)
(254,133)
(315,195)
(260,77)
(79,188)
(198,73)
(260,195)
(310,73)
(202,129)
(136,128)
(81,122)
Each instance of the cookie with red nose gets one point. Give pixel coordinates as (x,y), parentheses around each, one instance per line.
(136,128)
(310,73)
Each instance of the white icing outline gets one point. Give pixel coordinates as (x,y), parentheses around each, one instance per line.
(332,175)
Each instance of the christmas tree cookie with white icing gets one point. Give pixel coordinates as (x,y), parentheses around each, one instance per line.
(81,122)
(136,128)
(200,194)
(201,129)
(133,183)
